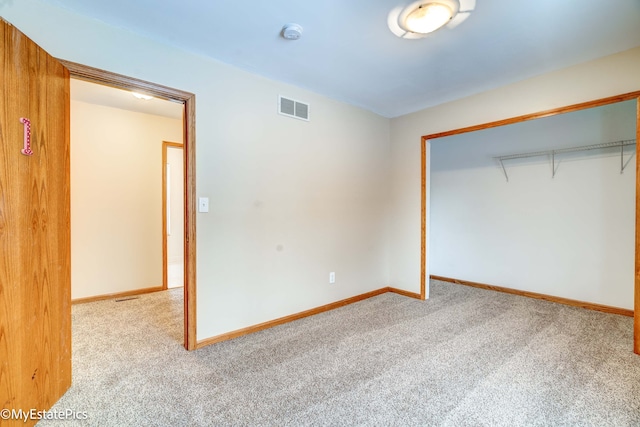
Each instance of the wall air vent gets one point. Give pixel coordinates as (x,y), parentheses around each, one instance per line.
(293,108)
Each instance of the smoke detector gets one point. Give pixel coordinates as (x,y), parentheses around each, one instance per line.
(292,31)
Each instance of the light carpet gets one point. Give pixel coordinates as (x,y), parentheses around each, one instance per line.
(466,357)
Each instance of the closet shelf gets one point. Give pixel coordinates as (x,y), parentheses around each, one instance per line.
(552,153)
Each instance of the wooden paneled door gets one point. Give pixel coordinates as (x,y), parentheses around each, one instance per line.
(35,278)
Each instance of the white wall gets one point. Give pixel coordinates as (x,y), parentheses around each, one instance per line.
(290,200)
(568,236)
(116,198)
(604,77)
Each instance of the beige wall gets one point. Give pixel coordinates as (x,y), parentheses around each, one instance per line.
(604,77)
(290,201)
(116,198)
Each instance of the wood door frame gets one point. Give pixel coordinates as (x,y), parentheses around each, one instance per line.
(546,113)
(119,81)
(165,262)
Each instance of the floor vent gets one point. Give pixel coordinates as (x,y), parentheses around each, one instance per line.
(293,108)
(125,299)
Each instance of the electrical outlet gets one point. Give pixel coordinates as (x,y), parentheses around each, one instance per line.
(332,277)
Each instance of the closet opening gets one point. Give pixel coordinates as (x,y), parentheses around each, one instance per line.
(559,227)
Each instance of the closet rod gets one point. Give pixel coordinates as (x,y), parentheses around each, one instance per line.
(552,153)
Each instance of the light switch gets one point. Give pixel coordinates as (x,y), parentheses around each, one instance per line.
(203,204)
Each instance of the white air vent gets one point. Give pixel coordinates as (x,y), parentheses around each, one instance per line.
(293,108)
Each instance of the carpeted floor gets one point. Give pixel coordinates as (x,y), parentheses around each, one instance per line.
(466,357)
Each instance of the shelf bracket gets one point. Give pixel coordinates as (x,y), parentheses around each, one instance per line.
(504,170)
(624,164)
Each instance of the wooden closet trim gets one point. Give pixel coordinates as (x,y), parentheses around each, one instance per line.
(636,306)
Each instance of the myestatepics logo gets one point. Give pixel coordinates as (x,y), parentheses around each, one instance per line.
(34,414)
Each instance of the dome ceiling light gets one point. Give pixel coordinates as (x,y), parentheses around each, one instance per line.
(420,18)
(426,18)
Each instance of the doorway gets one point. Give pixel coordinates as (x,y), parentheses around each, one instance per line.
(172,215)
(187,99)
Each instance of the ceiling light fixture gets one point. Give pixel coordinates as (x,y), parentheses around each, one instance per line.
(141,96)
(423,17)
(427,18)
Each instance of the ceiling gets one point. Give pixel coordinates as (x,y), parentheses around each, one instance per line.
(347,51)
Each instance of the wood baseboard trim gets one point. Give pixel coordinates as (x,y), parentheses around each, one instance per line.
(117,295)
(405,293)
(559,300)
(286,319)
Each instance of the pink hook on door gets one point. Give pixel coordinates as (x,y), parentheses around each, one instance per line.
(27,137)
